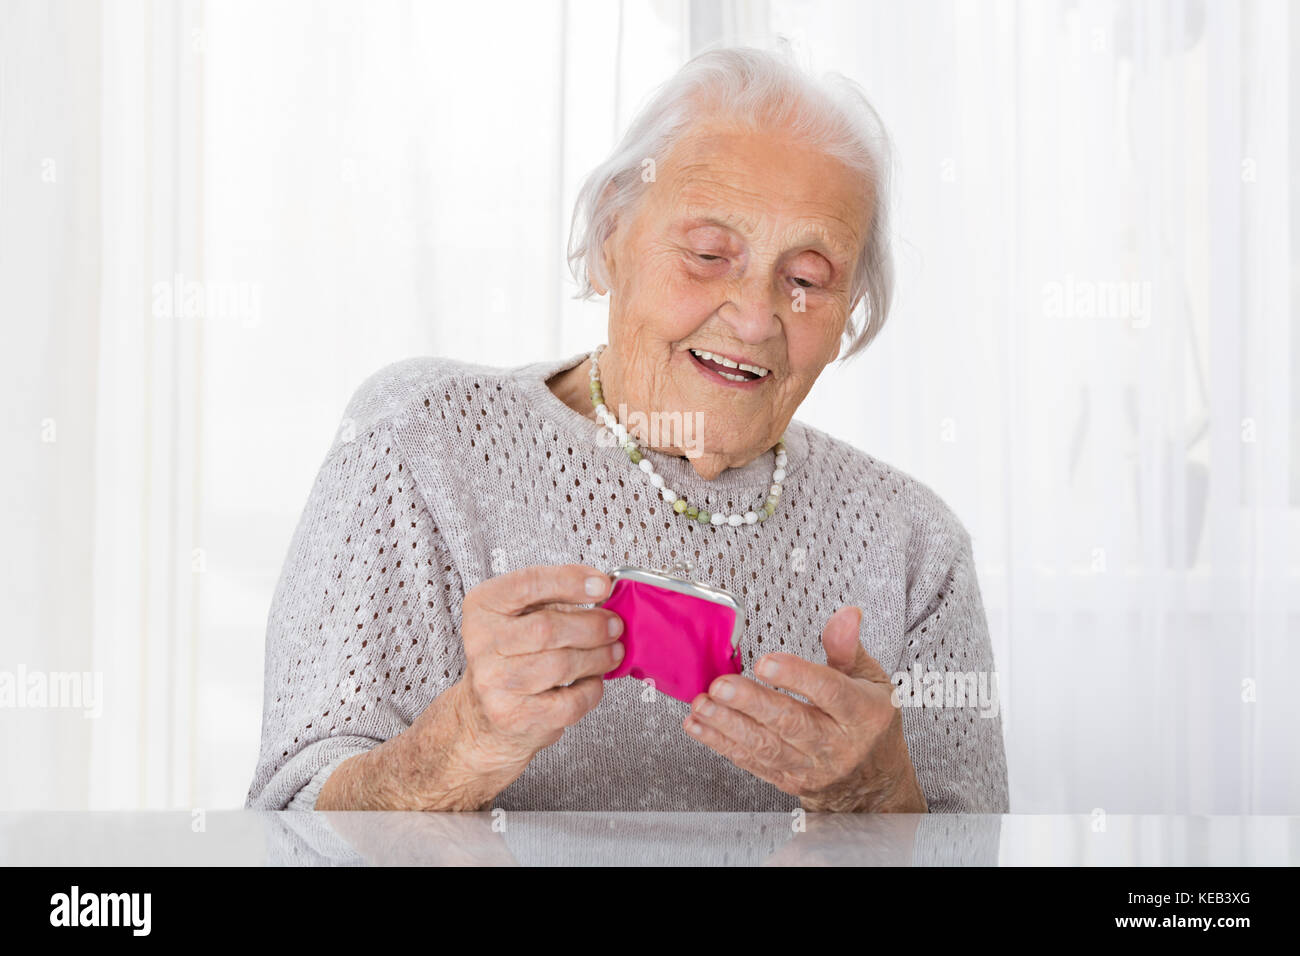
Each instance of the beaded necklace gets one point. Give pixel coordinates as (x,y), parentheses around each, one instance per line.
(680,505)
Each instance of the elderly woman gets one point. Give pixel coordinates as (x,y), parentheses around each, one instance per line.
(436,640)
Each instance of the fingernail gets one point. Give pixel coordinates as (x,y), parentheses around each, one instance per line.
(724,691)
(595,586)
(693,728)
(615,625)
(705,709)
(767,668)
(619,650)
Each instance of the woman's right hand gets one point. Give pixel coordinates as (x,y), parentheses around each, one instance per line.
(534,665)
(534,661)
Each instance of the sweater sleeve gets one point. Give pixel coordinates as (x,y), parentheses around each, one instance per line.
(947,686)
(363,630)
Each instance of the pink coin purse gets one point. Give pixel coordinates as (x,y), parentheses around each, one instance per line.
(679,635)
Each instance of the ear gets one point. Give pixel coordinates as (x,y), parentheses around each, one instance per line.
(609,260)
(613,241)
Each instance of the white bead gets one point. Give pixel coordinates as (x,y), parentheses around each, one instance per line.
(601,411)
(656,479)
(778,475)
(751,517)
(775,490)
(646,466)
(718,518)
(620,433)
(734,520)
(669,495)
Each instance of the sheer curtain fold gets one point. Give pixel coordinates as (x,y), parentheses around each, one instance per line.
(149,481)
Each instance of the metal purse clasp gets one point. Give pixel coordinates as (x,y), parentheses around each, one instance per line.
(675,579)
(680,569)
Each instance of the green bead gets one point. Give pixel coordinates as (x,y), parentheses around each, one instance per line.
(692,511)
(762,514)
(635,455)
(679,505)
(704,517)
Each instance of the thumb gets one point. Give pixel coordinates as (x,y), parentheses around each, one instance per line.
(844,651)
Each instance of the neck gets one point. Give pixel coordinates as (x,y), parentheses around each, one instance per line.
(573,387)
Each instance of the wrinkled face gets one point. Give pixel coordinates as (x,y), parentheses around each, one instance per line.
(730,287)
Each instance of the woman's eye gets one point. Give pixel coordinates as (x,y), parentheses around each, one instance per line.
(804,283)
(709,258)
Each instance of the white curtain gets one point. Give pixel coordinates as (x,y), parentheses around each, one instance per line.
(255,205)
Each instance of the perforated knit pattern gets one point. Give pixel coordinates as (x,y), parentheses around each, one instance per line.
(445,473)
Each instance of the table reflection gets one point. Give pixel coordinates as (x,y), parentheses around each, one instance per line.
(519,838)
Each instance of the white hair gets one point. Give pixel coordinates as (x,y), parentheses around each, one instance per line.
(756,89)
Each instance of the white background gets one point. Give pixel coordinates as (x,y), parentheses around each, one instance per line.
(369,181)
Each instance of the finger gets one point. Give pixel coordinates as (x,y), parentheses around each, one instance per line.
(527,674)
(550,629)
(517,591)
(764,745)
(568,705)
(844,650)
(723,745)
(791,720)
(837,695)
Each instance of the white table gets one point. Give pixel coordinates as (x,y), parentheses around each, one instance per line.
(243,837)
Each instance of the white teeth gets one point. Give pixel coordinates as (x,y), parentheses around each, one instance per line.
(734,378)
(757,370)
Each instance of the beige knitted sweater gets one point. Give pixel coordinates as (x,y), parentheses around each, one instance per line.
(446,473)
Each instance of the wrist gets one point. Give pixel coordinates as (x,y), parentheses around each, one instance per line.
(461,764)
(440,763)
(885,784)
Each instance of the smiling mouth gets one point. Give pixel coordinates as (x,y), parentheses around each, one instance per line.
(728,369)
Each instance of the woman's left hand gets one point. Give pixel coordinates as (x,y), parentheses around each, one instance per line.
(842,751)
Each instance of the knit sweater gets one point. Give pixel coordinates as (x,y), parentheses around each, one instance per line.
(445,473)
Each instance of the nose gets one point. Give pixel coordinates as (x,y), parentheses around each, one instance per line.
(752,309)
